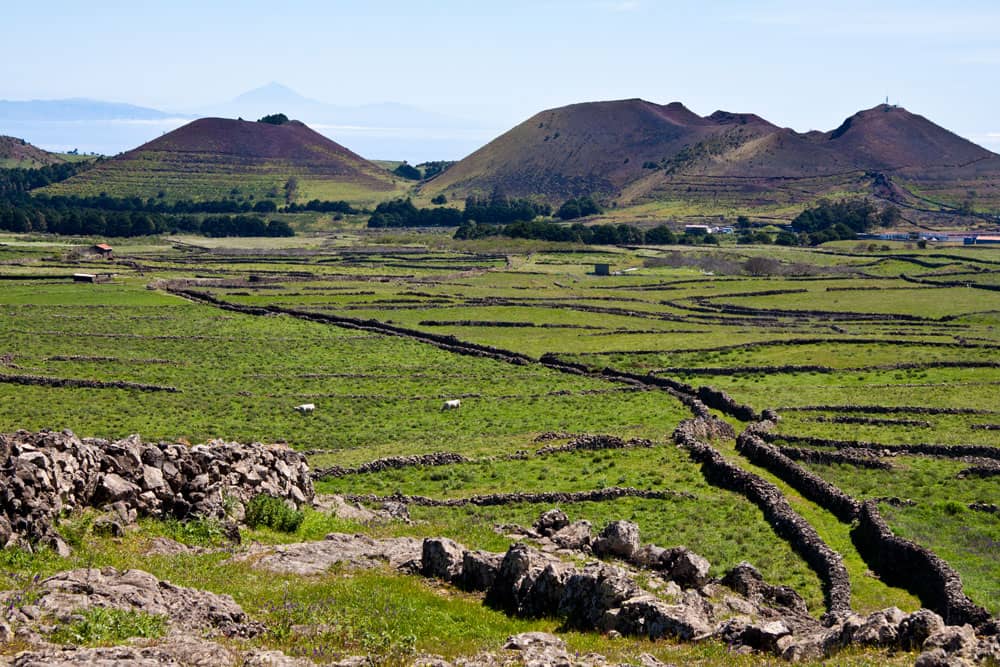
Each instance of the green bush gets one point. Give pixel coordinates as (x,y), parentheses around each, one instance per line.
(99,625)
(266,510)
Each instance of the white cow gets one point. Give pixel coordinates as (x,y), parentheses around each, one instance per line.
(305,408)
(453,404)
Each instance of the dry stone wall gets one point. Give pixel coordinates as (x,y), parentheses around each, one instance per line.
(827,563)
(903,563)
(46,473)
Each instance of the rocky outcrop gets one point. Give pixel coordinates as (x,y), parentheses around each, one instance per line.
(356,551)
(900,562)
(44,474)
(174,651)
(619,539)
(64,595)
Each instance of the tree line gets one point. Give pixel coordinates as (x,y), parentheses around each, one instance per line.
(493,210)
(125,216)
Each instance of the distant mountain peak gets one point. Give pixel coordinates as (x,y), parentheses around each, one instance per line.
(272,92)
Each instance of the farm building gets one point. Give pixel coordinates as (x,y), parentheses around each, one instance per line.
(698,228)
(92,277)
(103,250)
(992,239)
(602,269)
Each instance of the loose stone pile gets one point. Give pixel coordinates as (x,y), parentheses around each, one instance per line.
(45,474)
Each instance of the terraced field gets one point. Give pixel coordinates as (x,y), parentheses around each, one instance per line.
(880,365)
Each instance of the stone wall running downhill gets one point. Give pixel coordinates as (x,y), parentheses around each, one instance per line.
(810,485)
(46,473)
(826,562)
(900,562)
(897,561)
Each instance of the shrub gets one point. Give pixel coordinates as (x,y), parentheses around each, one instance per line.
(99,625)
(266,510)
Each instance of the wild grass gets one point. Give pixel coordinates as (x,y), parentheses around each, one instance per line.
(379,396)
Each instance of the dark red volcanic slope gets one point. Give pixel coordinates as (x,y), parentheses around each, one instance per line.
(211,156)
(259,143)
(16,152)
(890,137)
(610,148)
(595,147)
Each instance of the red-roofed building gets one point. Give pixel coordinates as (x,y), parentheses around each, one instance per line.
(104,250)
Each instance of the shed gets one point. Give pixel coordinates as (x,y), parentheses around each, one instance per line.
(602,269)
(103,249)
(84,278)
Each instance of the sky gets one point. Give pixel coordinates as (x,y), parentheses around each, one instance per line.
(805,65)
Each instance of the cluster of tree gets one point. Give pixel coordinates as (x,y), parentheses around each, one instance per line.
(432,169)
(26,215)
(500,209)
(151,205)
(244,225)
(408,172)
(182,206)
(577,208)
(320,206)
(497,209)
(274,119)
(402,213)
(620,234)
(120,217)
(841,220)
(20,181)
(23,215)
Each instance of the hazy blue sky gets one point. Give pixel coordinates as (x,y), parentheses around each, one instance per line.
(800,64)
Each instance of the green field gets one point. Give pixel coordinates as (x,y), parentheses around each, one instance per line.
(830,333)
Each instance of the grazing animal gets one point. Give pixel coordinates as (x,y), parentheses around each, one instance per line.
(305,408)
(453,404)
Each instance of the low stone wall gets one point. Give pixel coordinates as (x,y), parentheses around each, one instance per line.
(43,474)
(391,463)
(45,381)
(948,451)
(860,459)
(900,562)
(553,497)
(811,486)
(595,442)
(723,402)
(888,409)
(827,563)
(874,421)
